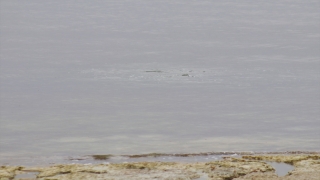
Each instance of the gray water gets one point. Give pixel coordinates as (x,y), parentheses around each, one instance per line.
(134,76)
(282,169)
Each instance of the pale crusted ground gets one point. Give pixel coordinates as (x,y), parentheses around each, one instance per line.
(247,167)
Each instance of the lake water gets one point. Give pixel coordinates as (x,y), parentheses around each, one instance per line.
(134,76)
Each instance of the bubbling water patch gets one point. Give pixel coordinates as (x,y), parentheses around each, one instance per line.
(145,73)
(153,75)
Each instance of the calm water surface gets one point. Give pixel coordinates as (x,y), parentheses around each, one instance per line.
(134,76)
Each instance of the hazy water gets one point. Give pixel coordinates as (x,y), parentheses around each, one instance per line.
(228,76)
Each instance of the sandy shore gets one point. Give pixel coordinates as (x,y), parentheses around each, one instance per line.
(306,166)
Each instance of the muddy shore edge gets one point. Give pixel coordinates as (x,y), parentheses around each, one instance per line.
(245,166)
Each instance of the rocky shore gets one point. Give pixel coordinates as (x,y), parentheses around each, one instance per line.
(306,166)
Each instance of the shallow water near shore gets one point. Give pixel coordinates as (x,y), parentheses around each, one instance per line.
(134,77)
(282,169)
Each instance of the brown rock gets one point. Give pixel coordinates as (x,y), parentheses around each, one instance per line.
(248,167)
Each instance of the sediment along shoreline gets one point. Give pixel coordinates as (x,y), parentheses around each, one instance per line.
(305,165)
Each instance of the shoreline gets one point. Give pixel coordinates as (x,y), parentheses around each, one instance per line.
(31,160)
(230,165)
